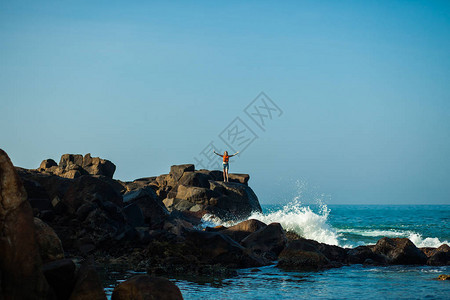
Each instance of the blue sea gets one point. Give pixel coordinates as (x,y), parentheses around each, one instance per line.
(346,226)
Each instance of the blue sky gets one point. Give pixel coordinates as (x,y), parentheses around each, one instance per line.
(363,86)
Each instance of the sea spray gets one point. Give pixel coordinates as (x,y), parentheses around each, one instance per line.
(292,217)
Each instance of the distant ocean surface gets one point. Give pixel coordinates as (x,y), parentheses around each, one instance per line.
(345,226)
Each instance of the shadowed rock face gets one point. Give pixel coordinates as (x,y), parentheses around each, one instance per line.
(20,262)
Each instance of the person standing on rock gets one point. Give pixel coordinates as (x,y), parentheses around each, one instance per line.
(226,166)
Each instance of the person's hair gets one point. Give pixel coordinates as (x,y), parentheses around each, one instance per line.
(225,153)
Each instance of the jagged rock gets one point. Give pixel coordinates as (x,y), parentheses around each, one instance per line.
(267,242)
(98,166)
(146,287)
(50,247)
(20,273)
(232,177)
(88,285)
(60,275)
(241,230)
(400,251)
(178,170)
(47,164)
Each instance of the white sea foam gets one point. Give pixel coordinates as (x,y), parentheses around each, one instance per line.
(293,217)
(414,237)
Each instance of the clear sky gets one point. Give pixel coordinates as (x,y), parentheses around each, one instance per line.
(363,87)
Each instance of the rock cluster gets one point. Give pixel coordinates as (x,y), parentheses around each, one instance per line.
(149,224)
(75,165)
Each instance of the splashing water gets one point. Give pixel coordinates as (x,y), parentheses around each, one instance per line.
(292,217)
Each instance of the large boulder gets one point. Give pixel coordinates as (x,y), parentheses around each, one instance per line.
(50,247)
(237,200)
(20,263)
(146,287)
(399,251)
(267,242)
(241,230)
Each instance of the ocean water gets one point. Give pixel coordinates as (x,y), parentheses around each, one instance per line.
(345,226)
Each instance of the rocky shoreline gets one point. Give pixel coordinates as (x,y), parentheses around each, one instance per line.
(58,221)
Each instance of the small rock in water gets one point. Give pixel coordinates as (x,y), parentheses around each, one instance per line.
(444,277)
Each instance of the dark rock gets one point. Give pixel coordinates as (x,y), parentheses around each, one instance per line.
(364,255)
(133,215)
(440,256)
(400,251)
(241,230)
(50,247)
(90,189)
(216,248)
(60,275)
(178,170)
(238,200)
(88,285)
(268,241)
(146,287)
(302,255)
(20,272)
(153,210)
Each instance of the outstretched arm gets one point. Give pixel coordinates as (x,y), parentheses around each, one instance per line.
(234,154)
(217,153)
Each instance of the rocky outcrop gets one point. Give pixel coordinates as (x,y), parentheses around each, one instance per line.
(20,263)
(75,165)
(200,192)
(146,287)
